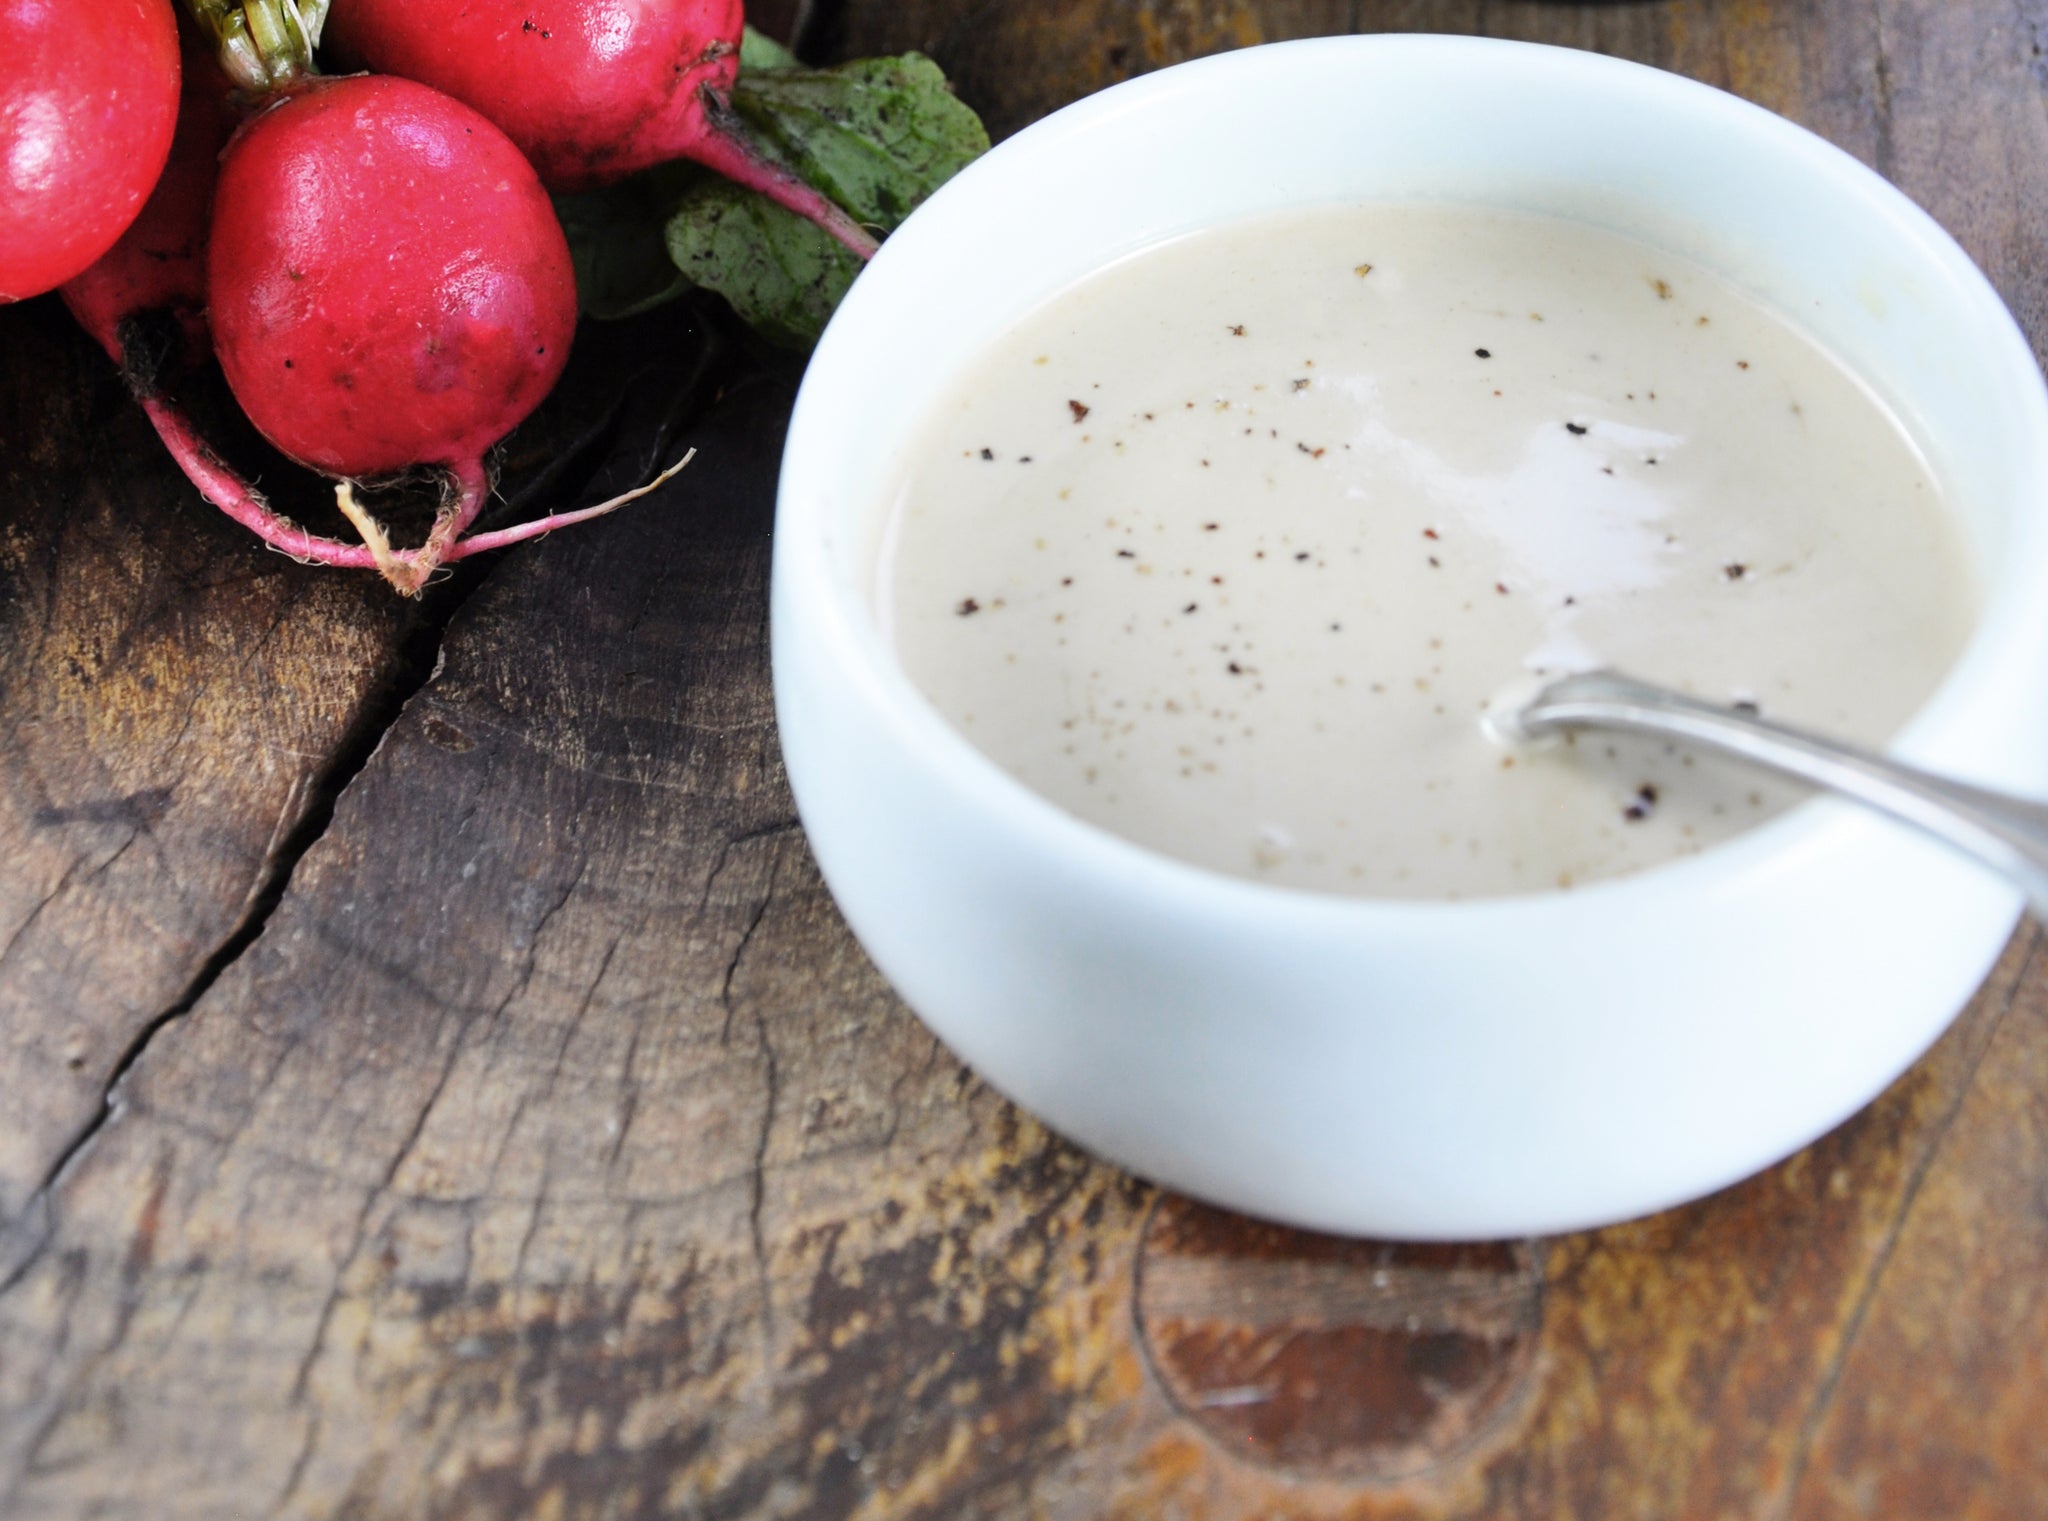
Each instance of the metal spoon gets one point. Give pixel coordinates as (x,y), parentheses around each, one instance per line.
(2006,833)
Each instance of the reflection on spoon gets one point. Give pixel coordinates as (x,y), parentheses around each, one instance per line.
(2006,833)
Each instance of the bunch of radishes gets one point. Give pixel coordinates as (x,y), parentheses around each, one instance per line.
(373,257)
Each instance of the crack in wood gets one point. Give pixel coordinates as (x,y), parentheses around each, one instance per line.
(574,1023)
(517,1278)
(417,657)
(300,1463)
(1830,1380)
(62,886)
(382,1189)
(629,1103)
(1882,150)
(305,815)
(757,1183)
(718,865)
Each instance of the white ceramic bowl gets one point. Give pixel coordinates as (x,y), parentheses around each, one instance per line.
(1414,1069)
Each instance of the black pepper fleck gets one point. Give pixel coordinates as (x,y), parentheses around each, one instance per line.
(988,454)
(968,607)
(1078,408)
(1483,353)
(1735,570)
(1575,428)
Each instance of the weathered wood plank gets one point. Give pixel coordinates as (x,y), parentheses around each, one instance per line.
(554,1133)
(169,691)
(606,1177)
(1015,63)
(1934,1404)
(174,698)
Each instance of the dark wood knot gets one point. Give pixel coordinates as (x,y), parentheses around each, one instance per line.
(1329,1357)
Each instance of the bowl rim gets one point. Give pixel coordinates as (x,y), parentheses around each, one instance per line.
(809,516)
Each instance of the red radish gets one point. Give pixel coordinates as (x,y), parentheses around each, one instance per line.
(590,89)
(388,288)
(159,264)
(88,98)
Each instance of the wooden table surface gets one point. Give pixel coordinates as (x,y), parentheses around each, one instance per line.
(435,1083)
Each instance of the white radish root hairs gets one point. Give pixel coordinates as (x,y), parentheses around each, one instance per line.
(409,570)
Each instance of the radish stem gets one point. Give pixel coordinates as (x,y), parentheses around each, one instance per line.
(408,570)
(498,538)
(239,500)
(730,146)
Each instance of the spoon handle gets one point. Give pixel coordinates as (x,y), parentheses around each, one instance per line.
(2007,833)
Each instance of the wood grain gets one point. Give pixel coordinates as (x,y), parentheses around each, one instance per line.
(552,1151)
(176,704)
(168,695)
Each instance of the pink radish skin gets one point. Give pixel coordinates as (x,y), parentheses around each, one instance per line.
(88,99)
(590,90)
(388,287)
(159,264)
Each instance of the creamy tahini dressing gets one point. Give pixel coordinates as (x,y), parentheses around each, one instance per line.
(1227,548)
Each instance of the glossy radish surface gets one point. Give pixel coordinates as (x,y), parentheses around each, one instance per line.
(88,98)
(388,285)
(590,89)
(159,263)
